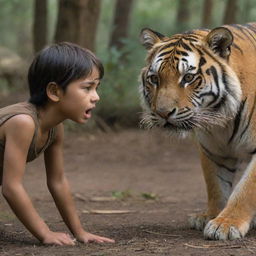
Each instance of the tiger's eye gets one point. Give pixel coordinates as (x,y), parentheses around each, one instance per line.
(188,77)
(153,79)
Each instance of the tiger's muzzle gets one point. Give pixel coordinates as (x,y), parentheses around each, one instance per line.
(177,119)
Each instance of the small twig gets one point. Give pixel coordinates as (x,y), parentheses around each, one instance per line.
(80,197)
(248,249)
(206,246)
(162,234)
(108,211)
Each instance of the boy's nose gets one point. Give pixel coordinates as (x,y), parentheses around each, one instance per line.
(95,97)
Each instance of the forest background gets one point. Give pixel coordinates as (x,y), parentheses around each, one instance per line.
(111,29)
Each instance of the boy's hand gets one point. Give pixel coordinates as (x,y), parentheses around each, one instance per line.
(57,238)
(86,237)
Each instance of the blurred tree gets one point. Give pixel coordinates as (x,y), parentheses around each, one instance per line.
(121,23)
(207,13)
(246,12)
(183,14)
(230,14)
(77,22)
(40,24)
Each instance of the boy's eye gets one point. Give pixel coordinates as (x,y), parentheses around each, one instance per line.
(87,88)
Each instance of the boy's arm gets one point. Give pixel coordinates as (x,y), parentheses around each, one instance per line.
(59,188)
(19,132)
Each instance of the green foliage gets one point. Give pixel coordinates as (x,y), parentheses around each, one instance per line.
(119,89)
(158,15)
(15,25)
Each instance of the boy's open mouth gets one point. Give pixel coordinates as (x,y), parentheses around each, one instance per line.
(88,113)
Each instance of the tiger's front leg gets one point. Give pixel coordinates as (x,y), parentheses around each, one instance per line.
(234,220)
(219,179)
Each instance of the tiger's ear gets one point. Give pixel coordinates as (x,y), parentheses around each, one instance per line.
(149,37)
(220,40)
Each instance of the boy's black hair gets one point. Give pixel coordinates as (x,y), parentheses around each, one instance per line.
(61,63)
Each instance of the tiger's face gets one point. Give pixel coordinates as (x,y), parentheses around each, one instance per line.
(187,82)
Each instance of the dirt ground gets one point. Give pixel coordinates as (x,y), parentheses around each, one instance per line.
(155,181)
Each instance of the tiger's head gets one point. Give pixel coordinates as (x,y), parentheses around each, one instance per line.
(188,82)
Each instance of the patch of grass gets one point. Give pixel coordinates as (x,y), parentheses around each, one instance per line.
(149,196)
(122,195)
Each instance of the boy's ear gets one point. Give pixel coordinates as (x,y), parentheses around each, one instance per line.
(53,92)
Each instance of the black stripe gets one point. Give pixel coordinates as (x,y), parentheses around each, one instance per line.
(237,47)
(169,45)
(202,62)
(215,77)
(250,37)
(212,70)
(198,102)
(226,181)
(238,35)
(249,119)
(200,80)
(237,120)
(164,53)
(181,53)
(251,27)
(185,46)
(182,117)
(221,102)
(225,81)
(184,111)
(210,155)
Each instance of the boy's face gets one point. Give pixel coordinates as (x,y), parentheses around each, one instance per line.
(80,98)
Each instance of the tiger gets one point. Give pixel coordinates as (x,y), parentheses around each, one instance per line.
(203,83)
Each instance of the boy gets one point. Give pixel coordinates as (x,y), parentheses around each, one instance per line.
(63,79)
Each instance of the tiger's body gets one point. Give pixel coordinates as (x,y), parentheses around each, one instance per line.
(204,82)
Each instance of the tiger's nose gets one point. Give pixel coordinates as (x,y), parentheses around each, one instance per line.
(166,114)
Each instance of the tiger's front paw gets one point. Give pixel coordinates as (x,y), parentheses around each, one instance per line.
(198,221)
(225,229)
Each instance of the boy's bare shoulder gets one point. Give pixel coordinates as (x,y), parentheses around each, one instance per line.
(20,122)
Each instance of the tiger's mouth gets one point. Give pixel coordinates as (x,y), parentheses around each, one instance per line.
(184,126)
(197,119)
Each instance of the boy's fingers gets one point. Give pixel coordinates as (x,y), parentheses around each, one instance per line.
(105,239)
(69,241)
(65,239)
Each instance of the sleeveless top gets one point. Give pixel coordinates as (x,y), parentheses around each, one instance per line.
(28,109)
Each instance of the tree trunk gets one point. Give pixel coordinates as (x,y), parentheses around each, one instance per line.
(121,23)
(183,15)
(40,24)
(207,13)
(230,12)
(77,22)
(247,7)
